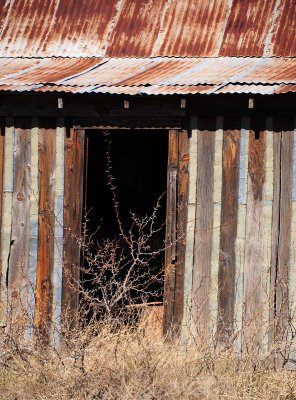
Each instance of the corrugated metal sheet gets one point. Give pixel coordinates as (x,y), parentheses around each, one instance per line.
(146,28)
(145,75)
(44,70)
(156,89)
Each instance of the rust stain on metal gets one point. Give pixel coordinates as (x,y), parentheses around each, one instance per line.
(134,28)
(284,43)
(137,28)
(247,28)
(192,28)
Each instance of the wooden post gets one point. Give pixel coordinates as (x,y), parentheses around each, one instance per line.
(253,259)
(46,224)
(228,231)
(177,197)
(203,225)
(73,202)
(282,234)
(18,276)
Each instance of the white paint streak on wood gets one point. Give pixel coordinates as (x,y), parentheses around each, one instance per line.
(7,207)
(190,223)
(216,222)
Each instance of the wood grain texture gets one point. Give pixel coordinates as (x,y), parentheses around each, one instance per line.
(177,201)
(171,232)
(253,257)
(59,224)
(216,223)
(2,145)
(18,276)
(6,215)
(267,210)
(241,232)
(33,239)
(183,181)
(190,228)
(46,223)
(281,230)
(228,231)
(73,202)
(204,224)
(284,240)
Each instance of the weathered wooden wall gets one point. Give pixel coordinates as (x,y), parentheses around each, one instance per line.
(32,153)
(240,265)
(240,260)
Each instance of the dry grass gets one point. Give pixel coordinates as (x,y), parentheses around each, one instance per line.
(108,363)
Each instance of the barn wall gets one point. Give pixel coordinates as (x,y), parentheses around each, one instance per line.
(32,223)
(241,229)
(241,225)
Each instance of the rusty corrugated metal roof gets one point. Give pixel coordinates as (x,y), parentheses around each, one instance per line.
(157,75)
(148,46)
(157,89)
(147,28)
(147,71)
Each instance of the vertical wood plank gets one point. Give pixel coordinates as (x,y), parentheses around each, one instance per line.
(73,202)
(277,141)
(171,232)
(2,146)
(285,219)
(281,232)
(183,181)
(33,239)
(228,232)
(59,224)
(241,232)
(190,228)
(204,224)
(292,280)
(216,223)
(18,276)
(254,237)
(6,219)
(46,223)
(268,200)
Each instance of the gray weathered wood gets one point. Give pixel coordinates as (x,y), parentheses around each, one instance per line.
(281,233)
(171,232)
(18,277)
(73,199)
(182,204)
(253,258)
(46,223)
(228,230)
(204,224)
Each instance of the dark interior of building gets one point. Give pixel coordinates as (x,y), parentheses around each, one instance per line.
(134,162)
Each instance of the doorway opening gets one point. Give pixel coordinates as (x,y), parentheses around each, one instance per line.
(125,186)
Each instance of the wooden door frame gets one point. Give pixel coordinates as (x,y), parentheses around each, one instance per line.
(176,214)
